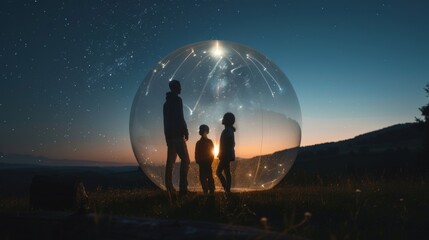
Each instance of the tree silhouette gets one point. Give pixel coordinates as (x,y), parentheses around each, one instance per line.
(425,121)
(425,109)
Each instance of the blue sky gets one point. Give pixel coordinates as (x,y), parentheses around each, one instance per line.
(70,69)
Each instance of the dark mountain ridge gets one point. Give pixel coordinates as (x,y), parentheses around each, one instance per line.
(408,135)
(394,151)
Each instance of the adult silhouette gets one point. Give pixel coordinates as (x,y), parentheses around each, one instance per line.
(176,135)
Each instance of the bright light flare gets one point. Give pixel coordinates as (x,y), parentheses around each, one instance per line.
(217,50)
(216,150)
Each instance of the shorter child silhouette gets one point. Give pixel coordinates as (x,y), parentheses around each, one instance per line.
(204,157)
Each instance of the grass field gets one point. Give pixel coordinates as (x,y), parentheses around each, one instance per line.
(359,208)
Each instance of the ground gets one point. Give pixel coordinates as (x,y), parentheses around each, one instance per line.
(348,208)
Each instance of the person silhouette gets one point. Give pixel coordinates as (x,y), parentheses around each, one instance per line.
(176,135)
(226,151)
(204,156)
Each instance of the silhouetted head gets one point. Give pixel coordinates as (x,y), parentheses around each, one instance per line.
(228,119)
(204,129)
(175,86)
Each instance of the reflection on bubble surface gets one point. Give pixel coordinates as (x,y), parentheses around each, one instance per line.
(219,77)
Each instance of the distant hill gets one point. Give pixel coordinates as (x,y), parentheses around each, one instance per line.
(16,180)
(26,160)
(385,152)
(17,171)
(406,135)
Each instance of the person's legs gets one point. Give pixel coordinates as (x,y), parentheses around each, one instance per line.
(219,174)
(171,159)
(227,171)
(182,151)
(203,178)
(210,180)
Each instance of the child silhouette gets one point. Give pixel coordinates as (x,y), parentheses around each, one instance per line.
(226,151)
(204,157)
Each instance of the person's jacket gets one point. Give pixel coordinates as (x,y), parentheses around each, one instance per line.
(204,151)
(174,121)
(227,144)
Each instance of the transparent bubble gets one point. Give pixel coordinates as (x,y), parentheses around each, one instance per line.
(219,77)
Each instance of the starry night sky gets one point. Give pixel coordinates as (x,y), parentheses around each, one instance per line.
(70,69)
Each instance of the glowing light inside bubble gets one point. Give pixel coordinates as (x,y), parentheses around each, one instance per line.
(217,50)
(219,77)
(216,150)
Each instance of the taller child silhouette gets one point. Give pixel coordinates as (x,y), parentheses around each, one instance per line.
(226,151)
(176,135)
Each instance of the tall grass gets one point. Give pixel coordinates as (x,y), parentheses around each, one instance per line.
(363,208)
(346,208)
(13,204)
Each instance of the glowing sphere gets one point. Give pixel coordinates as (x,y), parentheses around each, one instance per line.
(219,77)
